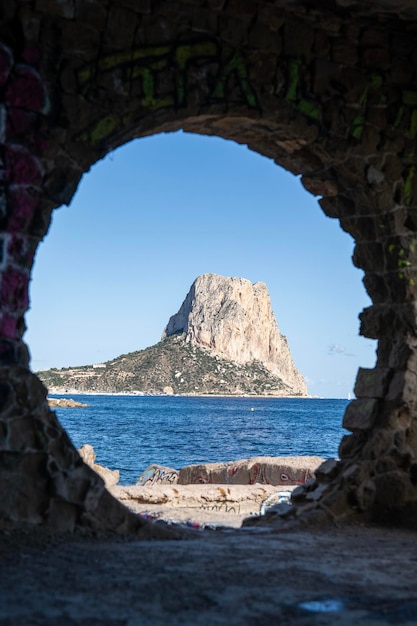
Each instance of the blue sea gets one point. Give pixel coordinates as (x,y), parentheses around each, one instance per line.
(129,433)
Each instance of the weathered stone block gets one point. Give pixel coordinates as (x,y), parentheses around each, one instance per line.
(375,319)
(23,487)
(204,21)
(73,486)
(317,493)
(360,414)
(403,387)
(109,514)
(6,398)
(376,58)
(319,187)
(25,433)
(372,383)
(349,446)
(94,13)
(242,7)
(327,470)
(344,52)
(325,73)
(380,443)
(121,25)
(376,288)
(369,256)
(271,16)
(298,39)
(79,38)
(299,494)
(263,38)
(216,5)
(336,502)
(234,31)
(401,71)
(390,489)
(365,495)
(62,516)
(63,452)
(60,9)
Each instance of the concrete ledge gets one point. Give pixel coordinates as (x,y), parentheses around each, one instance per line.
(266,470)
(216,504)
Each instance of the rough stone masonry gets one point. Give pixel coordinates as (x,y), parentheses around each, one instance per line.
(327,90)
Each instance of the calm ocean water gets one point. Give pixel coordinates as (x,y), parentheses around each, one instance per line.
(131,432)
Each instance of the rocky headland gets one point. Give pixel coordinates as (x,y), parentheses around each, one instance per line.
(224,340)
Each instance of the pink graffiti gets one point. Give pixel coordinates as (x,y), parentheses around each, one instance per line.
(23,137)
(21,166)
(259,475)
(31,55)
(14,289)
(8,326)
(201,480)
(24,202)
(20,122)
(19,249)
(26,91)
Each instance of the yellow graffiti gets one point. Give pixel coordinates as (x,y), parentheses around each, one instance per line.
(146,66)
(306,107)
(358,124)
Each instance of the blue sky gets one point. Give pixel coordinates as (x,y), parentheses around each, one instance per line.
(158,212)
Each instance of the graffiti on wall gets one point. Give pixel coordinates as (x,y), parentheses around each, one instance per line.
(221,507)
(260,473)
(162,74)
(22,140)
(296,93)
(157,475)
(290,479)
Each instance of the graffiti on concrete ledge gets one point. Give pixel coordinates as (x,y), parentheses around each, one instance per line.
(157,475)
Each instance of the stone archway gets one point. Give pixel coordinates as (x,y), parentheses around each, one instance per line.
(330,94)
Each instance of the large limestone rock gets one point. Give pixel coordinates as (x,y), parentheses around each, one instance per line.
(110,477)
(232,318)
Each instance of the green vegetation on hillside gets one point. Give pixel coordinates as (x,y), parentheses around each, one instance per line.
(170,366)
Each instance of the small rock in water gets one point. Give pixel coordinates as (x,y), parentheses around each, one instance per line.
(65,403)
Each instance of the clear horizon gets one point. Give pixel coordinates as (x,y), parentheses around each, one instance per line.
(158,212)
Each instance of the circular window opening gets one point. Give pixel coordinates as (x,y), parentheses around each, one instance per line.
(149,219)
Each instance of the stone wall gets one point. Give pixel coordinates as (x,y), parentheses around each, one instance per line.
(327,91)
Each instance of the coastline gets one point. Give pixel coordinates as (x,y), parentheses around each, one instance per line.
(138,394)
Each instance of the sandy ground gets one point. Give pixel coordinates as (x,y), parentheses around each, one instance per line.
(250,577)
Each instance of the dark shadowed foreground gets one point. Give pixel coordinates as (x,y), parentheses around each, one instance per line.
(355,575)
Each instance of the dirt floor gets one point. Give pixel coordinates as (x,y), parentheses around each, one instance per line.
(254,576)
